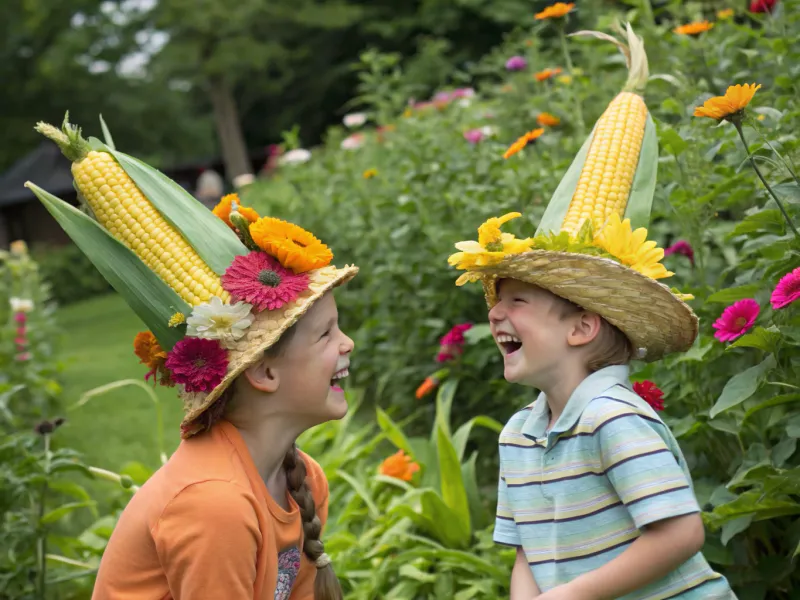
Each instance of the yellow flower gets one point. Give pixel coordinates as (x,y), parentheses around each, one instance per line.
(726,13)
(631,248)
(557,10)
(293,246)
(225,206)
(547,120)
(370,173)
(177,319)
(523,141)
(492,246)
(695,28)
(736,98)
(565,79)
(468,277)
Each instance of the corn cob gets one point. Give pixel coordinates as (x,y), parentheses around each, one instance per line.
(121,208)
(607,174)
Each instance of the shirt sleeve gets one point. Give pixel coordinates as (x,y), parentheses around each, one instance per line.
(207,540)
(303,588)
(645,473)
(505,528)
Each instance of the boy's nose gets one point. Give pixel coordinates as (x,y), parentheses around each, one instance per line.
(497,313)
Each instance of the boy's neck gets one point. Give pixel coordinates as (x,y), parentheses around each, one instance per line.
(560,390)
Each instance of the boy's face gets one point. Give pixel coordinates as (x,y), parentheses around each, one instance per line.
(527,328)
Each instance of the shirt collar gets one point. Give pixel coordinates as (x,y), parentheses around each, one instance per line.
(593,386)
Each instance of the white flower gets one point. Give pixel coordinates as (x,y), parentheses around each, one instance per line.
(21,304)
(354,141)
(354,120)
(217,321)
(295,157)
(488,130)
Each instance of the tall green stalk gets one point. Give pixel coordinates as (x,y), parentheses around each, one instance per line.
(41,541)
(568,61)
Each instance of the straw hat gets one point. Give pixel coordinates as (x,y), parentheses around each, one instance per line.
(591,245)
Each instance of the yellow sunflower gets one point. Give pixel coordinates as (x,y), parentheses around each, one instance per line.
(631,248)
(293,246)
(735,100)
(556,11)
(492,246)
(523,141)
(225,206)
(695,28)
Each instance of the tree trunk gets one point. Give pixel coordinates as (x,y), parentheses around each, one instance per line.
(229,131)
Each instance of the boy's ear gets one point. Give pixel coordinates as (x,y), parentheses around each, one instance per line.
(584,329)
(263,376)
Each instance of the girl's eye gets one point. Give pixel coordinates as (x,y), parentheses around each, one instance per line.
(326,334)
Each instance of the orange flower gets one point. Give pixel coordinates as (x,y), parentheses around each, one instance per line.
(426,387)
(556,11)
(729,106)
(547,74)
(548,120)
(695,28)
(399,466)
(223,210)
(151,354)
(293,246)
(523,141)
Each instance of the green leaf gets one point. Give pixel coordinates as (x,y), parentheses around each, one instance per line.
(724,425)
(453,492)
(478,332)
(476,509)
(62,511)
(70,488)
(444,404)
(556,210)
(393,433)
(790,192)
(461,435)
(783,451)
(731,528)
(770,220)
(448,527)
(763,339)
(107,134)
(672,141)
(640,200)
(362,493)
(793,427)
(411,572)
(733,294)
(695,353)
(153,301)
(775,401)
(741,386)
(213,240)
(752,502)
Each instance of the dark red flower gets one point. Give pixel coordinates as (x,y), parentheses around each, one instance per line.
(650,393)
(199,364)
(452,343)
(683,248)
(762,6)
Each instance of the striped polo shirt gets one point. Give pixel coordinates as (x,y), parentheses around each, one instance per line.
(577,496)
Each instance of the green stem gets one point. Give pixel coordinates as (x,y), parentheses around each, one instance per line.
(41,542)
(778,154)
(568,61)
(738,125)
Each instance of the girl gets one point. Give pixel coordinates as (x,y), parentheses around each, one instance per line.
(242,318)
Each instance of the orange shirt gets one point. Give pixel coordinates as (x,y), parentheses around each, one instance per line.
(204,526)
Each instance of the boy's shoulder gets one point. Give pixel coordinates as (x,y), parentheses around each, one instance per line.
(617,400)
(514,425)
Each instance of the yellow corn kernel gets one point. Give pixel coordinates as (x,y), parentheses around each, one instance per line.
(125,212)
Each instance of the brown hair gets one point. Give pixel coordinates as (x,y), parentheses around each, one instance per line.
(610,347)
(326,584)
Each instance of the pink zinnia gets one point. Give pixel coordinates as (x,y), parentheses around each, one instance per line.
(516,63)
(20,318)
(260,279)
(452,343)
(787,290)
(473,136)
(735,320)
(762,6)
(683,248)
(199,364)
(650,393)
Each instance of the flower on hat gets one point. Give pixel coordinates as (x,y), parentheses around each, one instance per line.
(225,206)
(516,63)
(151,354)
(293,246)
(729,106)
(683,248)
(452,343)
(214,320)
(399,466)
(523,141)
(631,248)
(556,11)
(547,74)
(492,246)
(260,280)
(20,305)
(736,320)
(199,364)
(787,290)
(547,120)
(650,393)
(177,319)
(695,28)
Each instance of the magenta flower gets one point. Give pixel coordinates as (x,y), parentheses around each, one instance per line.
(199,364)
(473,136)
(516,63)
(737,319)
(261,280)
(787,290)
(683,248)
(20,318)
(452,343)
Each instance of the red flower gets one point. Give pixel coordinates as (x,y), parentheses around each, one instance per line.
(762,6)
(199,364)
(260,279)
(452,343)
(20,318)
(683,248)
(650,393)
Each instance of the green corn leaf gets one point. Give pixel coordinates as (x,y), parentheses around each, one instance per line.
(453,491)
(556,210)
(151,299)
(213,240)
(640,200)
(107,134)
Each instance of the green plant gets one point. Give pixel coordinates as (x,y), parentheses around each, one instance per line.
(71,276)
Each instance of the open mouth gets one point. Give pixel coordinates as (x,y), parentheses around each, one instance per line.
(509,343)
(338,376)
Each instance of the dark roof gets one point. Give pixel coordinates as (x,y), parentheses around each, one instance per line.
(46,166)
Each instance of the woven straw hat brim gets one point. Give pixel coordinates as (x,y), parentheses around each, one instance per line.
(266,329)
(654,319)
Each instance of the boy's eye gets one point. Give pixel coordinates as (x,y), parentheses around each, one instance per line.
(519,300)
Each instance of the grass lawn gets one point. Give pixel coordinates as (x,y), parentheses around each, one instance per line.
(119,426)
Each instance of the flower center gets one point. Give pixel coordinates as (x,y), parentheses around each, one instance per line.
(741,322)
(223,320)
(199,363)
(494,246)
(269,278)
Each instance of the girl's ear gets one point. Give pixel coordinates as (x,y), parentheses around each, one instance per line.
(585,328)
(263,376)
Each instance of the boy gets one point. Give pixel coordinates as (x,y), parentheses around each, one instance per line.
(593,491)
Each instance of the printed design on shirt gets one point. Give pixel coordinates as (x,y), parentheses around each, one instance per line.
(288,566)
